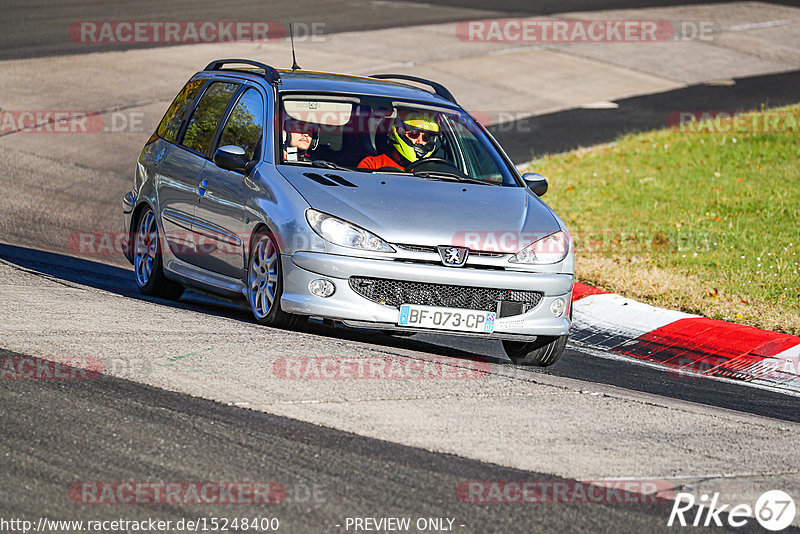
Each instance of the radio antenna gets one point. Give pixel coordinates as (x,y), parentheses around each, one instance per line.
(295,66)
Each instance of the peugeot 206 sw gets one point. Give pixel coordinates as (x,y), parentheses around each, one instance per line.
(376,201)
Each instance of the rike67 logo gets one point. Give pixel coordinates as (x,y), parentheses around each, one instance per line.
(774,510)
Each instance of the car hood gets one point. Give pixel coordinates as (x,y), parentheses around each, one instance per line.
(411,210)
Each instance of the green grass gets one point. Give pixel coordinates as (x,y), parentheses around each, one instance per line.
(721,209)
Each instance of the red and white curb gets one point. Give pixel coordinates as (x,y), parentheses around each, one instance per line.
(688,345)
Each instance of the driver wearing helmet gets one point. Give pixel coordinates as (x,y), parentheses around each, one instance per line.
(299,138)
(414,135)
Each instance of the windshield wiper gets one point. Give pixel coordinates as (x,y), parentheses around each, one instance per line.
(328,165)
(441,175)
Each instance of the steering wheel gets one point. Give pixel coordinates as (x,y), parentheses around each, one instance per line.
(423,161)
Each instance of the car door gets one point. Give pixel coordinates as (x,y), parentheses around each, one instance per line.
(182,165)
(176,173)
(219,216)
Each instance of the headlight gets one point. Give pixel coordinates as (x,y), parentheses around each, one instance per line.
(549,249)
(343,233)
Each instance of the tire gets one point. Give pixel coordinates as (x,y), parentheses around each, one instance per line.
(148,260)
(542,352)
(265,284)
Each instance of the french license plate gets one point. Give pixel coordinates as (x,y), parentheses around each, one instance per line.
(455,319)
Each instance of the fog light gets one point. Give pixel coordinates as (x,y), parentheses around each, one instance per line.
(557,307)
(322,288)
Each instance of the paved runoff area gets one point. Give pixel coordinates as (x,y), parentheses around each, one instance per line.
(57,184)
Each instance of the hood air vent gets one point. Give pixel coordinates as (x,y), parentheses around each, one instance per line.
(320,179)
(341,181)
(331,180)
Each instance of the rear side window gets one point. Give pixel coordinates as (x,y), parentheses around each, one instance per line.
(206,116)
(171,123)
(245,124)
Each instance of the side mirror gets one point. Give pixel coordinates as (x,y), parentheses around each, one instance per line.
(231,158)
(536,183)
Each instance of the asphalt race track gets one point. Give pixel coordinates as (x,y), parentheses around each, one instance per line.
(200,400)
(27,28)
(55,433)
(60,432)
(359,475)
(577,364)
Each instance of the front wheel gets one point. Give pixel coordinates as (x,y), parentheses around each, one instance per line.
(265,283)
(544,351)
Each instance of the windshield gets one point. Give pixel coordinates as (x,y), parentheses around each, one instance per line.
(380,135)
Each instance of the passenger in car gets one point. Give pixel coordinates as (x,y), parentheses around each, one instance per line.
(299,138)
(414,135)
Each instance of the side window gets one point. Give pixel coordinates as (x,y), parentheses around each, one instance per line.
(171,123)
(245,124)
(206,116)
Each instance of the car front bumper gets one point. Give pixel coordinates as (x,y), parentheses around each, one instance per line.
(346,305)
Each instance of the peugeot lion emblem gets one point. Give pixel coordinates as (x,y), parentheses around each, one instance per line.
(453,256)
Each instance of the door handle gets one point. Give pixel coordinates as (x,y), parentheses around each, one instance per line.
(201,189)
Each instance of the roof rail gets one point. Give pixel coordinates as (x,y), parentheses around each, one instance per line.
(271,75)
(438,88)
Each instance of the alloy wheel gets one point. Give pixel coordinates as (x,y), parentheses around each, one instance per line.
(145,248)
(262,277)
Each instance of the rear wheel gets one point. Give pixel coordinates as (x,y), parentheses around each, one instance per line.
(544,351)
(147,260)
(265,284)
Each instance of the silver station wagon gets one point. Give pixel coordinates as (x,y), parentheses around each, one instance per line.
(376,201)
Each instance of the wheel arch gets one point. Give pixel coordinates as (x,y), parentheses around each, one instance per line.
(135,214)
(265,226)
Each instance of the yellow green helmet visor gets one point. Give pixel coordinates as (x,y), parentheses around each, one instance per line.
(415,135)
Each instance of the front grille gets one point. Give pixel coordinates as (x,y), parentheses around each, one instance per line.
(397,292)
(418,248)
(423,248)
(467,266)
